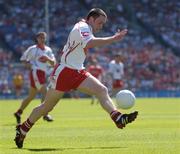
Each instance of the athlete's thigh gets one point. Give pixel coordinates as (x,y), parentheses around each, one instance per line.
(90,85)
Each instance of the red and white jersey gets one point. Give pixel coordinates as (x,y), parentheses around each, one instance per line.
(116,69)
(32,55)
(74,52)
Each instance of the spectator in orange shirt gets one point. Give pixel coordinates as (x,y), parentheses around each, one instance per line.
(18,82)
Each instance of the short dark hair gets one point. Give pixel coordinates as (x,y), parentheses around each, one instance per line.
(95,13)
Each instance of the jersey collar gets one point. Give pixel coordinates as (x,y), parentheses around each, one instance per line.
(42,47)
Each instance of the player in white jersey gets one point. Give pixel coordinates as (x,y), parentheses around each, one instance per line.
(70,73)
(40,60)
(116,71)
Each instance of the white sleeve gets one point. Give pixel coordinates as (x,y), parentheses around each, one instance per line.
(86,35)
(51,55)
(28,55)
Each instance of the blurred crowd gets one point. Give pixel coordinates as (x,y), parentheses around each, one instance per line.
(149,65)
(163,16)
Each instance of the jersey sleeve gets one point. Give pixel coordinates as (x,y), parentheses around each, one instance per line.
(86,35)
(28,55)
(51,55)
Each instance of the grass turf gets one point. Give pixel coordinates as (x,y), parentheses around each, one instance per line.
(81,128)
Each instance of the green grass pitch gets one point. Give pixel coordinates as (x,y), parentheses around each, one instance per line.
(81,128)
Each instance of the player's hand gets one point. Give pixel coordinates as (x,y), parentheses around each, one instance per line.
(120,34)
(43,59)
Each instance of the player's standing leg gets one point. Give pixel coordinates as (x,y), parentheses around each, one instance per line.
(52,98)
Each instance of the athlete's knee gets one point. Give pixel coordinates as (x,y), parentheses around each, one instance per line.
(102,90)
(46,108)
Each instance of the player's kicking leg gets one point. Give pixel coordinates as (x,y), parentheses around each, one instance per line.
(94,87)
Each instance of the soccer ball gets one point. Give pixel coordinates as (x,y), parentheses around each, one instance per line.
(125,99)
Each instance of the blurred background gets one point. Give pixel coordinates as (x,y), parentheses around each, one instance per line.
(151,50)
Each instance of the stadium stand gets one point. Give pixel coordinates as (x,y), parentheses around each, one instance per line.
(151,49)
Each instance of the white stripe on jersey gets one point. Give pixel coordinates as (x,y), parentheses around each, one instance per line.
(74,51)
(36,80)
(53,79)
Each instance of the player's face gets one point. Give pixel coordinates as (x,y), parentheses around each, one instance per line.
(98,23)
(41,39)
(118,58)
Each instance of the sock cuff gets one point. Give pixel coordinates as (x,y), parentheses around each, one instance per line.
(29,122)
(114,114)
(26,126)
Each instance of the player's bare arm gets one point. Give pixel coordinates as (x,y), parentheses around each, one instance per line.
(119,35)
